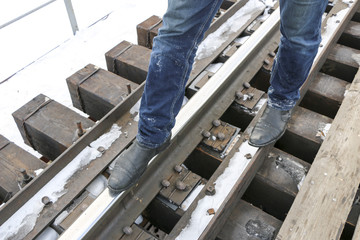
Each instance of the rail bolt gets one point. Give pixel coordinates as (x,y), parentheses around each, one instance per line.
(246,85)
(165,183)
(180,185)
(127,230)
(178,168)
(239,95)
(206,134)
(210,190)
(101,149)
(221,136)
(46,200)
(216,123)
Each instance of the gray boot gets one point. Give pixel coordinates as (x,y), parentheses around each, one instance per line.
(270,127)
(131,164)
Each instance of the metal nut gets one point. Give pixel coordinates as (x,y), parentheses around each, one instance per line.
(221,136)
(239,95)
(178,168)
(216,123)
(246,85)
(250,96)
(206,134)
(101,149)
(165,183)
(127,230)
(272,54)
(180,186)
(210,190)
(46,200)
(266,62)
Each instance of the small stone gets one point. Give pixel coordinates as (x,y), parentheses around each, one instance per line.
(211,211)
(248,156)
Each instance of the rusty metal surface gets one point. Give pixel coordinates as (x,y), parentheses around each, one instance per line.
(220,136)
(251,97)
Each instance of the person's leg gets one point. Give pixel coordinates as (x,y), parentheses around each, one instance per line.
(173,53)
(301,35)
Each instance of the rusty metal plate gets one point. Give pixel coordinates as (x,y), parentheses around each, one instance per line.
(181,185)
(251,97)
(220,136)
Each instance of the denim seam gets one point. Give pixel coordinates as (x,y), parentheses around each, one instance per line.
(187,63)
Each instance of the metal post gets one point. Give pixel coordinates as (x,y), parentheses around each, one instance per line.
(71,14)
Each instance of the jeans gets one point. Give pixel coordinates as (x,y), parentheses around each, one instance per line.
(174,49)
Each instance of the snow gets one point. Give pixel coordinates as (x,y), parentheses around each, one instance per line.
(323,130)
(188,201)
(23,221)
(29,39)
(214,40)
(97,186)
(38,171)
(48,234)
(223,185)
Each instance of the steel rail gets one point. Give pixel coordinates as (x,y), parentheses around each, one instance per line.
(208,104)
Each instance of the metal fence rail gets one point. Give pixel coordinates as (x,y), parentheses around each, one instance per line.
(69,10)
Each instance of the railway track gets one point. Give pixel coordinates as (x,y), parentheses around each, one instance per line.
(209,183)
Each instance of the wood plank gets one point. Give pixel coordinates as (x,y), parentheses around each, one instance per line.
(324,202)
(129,61)
(302,129)
(12,160)
(340,63)
(96,91)
(143,30)
(356,235)
(239,224)
(325,95)
(48,126)
(275,185)
(351,35)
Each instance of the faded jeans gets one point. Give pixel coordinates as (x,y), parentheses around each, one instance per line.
(174,49)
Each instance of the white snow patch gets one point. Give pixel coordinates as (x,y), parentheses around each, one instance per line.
(241,40)
(135,110)
(186,204)
(214,40)
(223,185)
(356,57)
(48,234)
(139,219)
(24,220)
(269,4)
(97,186)
(299,185)
(214,67)
(38,171)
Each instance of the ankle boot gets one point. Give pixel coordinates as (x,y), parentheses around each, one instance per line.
(270,127)
(131,164)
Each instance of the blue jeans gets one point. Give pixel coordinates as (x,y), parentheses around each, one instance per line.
(174,49)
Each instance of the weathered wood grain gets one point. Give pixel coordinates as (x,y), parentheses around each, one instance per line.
(323,203)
